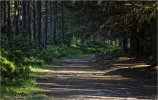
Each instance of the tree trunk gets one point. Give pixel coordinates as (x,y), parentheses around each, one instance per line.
(154,41)
(28,28)
(52,20)
(5,13)
(62,23)
(39,23)
(1,3)
(0,17)
(46,24)
(16,29)
(3,18)
(24,18)
(8,21)
(34,22)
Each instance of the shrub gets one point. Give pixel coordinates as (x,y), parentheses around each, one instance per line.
(52,53)
(18,56)
(22,72)
(49,54)
(33,62)
(7,68)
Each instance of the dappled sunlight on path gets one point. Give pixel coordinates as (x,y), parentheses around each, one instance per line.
(79,79)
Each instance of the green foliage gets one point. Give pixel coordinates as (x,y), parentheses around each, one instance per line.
(12,59)
(17,89)
(33,62)
(51,53)
(21,72)
(18,56)
(4,41)
(11,72)
(20,42)
(7,68)
(97,46)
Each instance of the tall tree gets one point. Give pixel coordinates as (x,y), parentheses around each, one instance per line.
(46,23)
(5,16)
(55,21)
(28,28)
(24,17)
(39,23)
(34,22)
(8,19)
(62,23)
(0,17)
(16,14)
(52,19)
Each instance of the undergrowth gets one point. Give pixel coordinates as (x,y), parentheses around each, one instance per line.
(19,63)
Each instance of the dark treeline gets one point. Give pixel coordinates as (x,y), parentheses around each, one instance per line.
(61,22)
(30,19)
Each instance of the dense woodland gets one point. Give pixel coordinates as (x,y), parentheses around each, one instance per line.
(35,33)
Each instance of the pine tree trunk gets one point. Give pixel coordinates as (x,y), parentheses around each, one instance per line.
(24,17)
(28,20)
(39,23)
(4,13)
(8,21)
(154,42)
(16,29)
(54,21)
(34,22)
(62,23)
(46,23)
(0,17)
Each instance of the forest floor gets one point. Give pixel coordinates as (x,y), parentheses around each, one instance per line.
(81,78)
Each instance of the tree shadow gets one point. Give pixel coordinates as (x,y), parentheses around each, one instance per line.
(83,78)
(146,74)
(66,87)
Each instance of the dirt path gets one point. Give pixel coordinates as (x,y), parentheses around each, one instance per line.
(79,79)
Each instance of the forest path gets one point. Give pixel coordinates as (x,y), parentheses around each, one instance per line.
(81,79)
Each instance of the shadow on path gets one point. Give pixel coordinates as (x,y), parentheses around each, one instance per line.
(80,79)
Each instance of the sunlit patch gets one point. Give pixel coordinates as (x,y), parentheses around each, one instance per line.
(35,69)
(73,65)
(135,65)
(141,65)
(156,67)
(123,64)
(124,58)
(77,72)
(75,61)
(74,45)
